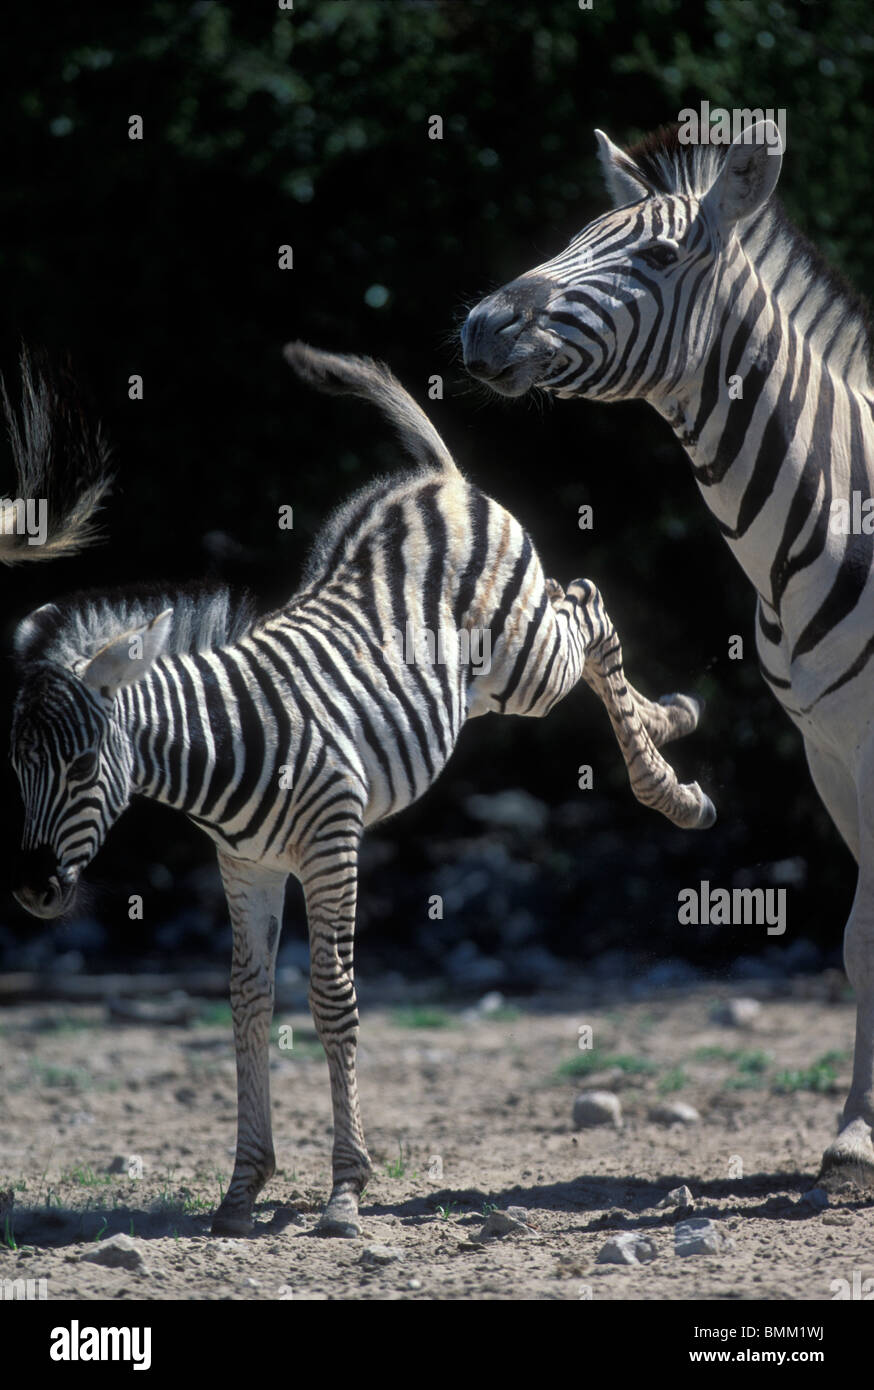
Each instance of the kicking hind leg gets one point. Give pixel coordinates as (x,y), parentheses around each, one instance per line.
(668,718)
(653,780)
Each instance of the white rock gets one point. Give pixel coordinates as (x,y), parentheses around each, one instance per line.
(374,1255)
(678,1197)
(816,1197)
(513,809)
(627,1248)
(597,1108)
(699,1237)
(501,1223)
(737,1013)
(673,1112)
(119,1252)
(491,1002)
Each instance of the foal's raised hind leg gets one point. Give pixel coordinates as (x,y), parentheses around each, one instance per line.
(255,897)
(670,717)
(637,723)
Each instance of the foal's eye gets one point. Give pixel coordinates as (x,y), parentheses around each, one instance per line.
(659,256)
(83,768)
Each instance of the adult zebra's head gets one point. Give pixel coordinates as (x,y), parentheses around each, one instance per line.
(70,753)
(627,309)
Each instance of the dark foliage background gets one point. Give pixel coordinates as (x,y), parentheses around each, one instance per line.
(310,127)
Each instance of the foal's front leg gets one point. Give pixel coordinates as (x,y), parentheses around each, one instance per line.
(255,897)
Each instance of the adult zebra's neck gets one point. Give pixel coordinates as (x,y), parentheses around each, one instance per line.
(778,422)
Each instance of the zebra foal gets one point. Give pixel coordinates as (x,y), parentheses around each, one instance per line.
(284,736)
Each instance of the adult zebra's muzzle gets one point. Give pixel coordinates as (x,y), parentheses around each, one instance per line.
(502,343)
(40,885)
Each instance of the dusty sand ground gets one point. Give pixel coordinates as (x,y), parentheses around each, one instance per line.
(484,1095)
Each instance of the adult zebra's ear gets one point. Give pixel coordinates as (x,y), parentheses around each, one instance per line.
(748,176)
(625,182)
(128,657)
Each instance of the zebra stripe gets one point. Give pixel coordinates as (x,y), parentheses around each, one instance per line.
(696,282)
(284,736)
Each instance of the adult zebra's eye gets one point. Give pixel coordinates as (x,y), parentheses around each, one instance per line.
(83,768)
(659,256)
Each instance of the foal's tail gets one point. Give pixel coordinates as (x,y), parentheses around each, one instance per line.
(61,461)
(362,376)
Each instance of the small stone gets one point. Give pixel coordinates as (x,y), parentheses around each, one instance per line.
(597,1108)
(837,1218)
(678,1197)
(414,1283)
(519,1214)
(737,1013)
(699,1237)
(513,809)
(499,1224)
(816,1197)
(375,1255)
(674,1112)
(119,1252)
(491,1002)
(627,1248)
(251,1283)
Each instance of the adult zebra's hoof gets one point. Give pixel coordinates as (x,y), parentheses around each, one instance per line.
(850,1158)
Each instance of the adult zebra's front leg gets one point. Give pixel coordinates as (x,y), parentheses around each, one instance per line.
(851,1154)
(255,898)
(329,875)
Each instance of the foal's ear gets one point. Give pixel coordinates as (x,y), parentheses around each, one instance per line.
(33,630)
(127,658)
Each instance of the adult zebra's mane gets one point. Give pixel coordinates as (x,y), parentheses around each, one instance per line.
(72,630)
(836,309)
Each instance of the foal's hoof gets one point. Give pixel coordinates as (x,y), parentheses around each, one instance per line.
(340,1218)
(330,1226)
(708,812)
(689,709)
(227,1225)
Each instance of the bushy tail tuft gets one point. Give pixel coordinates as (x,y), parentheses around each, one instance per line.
(362,376)
(61,467)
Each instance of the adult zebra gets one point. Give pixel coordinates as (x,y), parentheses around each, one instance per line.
(284,736)
(695,290)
